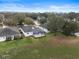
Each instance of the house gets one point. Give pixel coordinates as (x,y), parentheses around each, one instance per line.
(30,30)
(76,34)
(8,33)
(27,30)
(38,32)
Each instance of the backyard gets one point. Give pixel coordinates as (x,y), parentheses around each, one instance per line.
(49,47)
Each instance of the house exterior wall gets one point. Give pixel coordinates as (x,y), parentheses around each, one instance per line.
(39,35)
(12,37)
(44,29)
(77,34)
(2,39)
(26,34)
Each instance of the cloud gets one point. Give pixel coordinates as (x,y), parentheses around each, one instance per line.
(11,7)
(64,8)
(17,7)
(25,6)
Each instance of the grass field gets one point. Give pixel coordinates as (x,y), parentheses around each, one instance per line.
(49,47)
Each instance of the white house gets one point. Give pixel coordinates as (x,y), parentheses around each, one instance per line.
(2,38)
(8,34)
(77,34)
(27,30)
(32,31)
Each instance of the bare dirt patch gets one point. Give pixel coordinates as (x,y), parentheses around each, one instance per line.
(58,40)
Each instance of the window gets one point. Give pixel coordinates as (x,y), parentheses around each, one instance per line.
(27,33)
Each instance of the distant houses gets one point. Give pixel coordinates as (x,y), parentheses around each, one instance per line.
(26,30)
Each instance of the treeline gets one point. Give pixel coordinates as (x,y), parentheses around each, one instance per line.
(12,19)
(66,23)
(63,25)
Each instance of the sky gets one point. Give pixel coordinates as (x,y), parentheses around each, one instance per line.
(39,5)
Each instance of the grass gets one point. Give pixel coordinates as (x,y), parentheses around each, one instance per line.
(4,46)
(38,48)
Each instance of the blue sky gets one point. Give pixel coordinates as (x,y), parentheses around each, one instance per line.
(39,5)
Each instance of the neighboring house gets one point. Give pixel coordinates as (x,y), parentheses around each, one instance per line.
(27,30)
(8,34)
(77,34)
(32,31)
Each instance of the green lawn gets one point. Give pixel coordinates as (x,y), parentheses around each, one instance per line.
(37,48)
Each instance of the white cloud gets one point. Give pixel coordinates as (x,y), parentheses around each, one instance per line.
(20,8)
(13,7)
(64,8)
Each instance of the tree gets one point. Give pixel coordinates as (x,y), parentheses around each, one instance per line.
(19,18)
(70,28)
(71,15)
(43,20)
(9,22)
(28,21)
(55,23)
(9,19)
(1,18)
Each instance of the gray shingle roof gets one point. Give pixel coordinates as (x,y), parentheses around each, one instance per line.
(7,32)
(33,29)
(37,31)
(27,28)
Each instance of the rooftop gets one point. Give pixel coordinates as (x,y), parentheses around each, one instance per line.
(28,28)
(8,32)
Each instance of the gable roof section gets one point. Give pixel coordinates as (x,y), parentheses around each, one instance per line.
(33,29)
(27,28)
(7,32)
